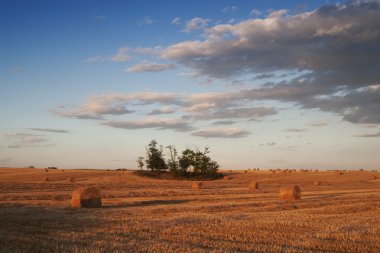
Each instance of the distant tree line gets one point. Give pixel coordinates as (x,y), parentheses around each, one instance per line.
(190,162)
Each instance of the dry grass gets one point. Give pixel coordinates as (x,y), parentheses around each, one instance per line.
(197,185)
(148,215)
(317,183)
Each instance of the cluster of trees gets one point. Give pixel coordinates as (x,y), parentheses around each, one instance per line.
(190,162)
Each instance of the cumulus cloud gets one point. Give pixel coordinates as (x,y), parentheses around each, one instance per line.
(150,67)
(196,23)
(368,135)
(155,123)
(221,133)
(49,130)
(334,49)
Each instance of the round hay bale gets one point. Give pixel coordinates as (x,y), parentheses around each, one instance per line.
(317,183)
(46,170)
(253,186)
(245,171)
(63,170)
(226,177)
(87,197)
(197,185)
(374,177)
(71,179)
(46,179)
(290,194)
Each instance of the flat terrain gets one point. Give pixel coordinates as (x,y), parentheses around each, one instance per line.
(150,215)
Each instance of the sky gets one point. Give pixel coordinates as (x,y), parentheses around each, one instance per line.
(263,84)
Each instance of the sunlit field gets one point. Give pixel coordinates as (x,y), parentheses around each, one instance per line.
(342,214)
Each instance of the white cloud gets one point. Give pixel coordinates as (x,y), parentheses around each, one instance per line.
(196,23)
(121,56)
(221,133)
(147,66)
(277,14)
(230,9)
(255,12)
(332,47)
(146,21)
(176,21)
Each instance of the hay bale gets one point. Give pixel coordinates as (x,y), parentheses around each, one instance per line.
(246,171)
(197,185)
(226,177)
(63,170)
(86,197)
(317,183)
(374,177)
(253,186)
(71,179)
(290,194)
(46,170)
(46,179)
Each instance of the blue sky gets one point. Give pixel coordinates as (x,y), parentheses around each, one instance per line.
(269,84)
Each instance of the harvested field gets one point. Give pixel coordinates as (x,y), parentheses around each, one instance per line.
(149,215)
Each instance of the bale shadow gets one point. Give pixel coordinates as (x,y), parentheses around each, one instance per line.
(155,202)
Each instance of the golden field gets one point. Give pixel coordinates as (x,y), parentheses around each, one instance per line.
(342,214)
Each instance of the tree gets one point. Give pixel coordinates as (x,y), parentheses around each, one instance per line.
(199,161)
(140,162)
(172,162)
(155,160)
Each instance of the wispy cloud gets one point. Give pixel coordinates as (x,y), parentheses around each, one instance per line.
(230,9)
(176,21)
(196,23)
(49,130)
(221,133)
(368,135)
(155,123)
(150,67)
(318,123)
(146,21)
(122,55)
(15,69)
(21,140)
(295,130)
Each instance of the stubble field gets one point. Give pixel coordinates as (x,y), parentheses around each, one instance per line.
(149,215)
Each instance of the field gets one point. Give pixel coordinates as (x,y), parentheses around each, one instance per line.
(150,215)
